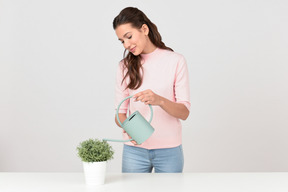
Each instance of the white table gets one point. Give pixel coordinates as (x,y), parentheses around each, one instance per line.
(118,182)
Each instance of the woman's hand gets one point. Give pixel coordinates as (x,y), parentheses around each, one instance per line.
(133,141)
(178,110)
(148,97)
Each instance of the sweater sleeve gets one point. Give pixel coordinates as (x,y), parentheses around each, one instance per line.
(181,84)
(120,90)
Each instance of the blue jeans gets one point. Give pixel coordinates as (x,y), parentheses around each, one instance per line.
(140,160)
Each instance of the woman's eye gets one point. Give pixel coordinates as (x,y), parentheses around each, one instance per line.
(127,38)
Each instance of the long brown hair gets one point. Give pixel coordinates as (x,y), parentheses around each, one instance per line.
(132,63)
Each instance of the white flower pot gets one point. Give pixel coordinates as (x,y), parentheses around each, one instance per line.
(95,172)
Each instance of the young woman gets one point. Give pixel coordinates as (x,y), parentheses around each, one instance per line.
(155,75)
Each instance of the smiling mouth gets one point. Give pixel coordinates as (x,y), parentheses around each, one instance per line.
(133,50)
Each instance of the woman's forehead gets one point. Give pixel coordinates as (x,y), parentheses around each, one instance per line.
(123,29)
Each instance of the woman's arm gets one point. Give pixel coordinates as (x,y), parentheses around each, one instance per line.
(122,118)
(178,110)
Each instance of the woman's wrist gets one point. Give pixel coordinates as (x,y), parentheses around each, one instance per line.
(161,101)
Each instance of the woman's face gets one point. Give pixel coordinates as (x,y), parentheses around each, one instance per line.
(134,40)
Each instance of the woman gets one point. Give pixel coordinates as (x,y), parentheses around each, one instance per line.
(155,75)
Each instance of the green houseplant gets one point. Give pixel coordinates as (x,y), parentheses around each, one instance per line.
(94,155)
(94,150)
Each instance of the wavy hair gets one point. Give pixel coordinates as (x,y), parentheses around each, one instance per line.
(132,63)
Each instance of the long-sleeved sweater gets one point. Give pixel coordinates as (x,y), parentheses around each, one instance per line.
(166,74)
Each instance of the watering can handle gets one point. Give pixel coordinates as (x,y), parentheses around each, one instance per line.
(125,100)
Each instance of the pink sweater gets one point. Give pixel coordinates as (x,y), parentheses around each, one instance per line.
(166,74)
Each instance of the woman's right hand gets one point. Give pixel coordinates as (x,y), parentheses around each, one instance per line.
(133,141)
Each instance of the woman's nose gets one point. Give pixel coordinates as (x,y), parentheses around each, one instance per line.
(126,45)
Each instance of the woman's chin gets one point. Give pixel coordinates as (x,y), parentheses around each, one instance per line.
(135,53)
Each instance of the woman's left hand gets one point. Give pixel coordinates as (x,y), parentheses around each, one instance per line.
(148,97)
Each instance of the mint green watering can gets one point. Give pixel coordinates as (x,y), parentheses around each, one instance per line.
(137,127)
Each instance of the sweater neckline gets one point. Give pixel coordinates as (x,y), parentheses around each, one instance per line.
(147,55)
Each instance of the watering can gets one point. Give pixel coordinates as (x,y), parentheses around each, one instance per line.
(137,127)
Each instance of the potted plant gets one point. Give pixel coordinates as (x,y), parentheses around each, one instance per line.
(94,155)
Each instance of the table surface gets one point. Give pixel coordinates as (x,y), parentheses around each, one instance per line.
(138,182)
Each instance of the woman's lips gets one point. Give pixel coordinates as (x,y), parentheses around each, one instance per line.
(133,50)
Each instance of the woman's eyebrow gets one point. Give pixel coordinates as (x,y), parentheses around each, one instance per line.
(125,34)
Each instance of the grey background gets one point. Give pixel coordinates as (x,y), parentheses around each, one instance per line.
(58,63)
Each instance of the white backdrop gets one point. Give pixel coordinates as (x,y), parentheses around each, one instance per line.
(58,63)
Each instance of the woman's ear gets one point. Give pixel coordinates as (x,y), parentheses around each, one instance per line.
(145,29)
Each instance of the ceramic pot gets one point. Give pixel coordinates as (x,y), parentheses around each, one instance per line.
(95,172)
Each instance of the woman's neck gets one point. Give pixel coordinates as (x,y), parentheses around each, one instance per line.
(150,47)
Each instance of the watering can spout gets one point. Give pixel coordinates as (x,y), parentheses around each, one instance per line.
(117,140)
